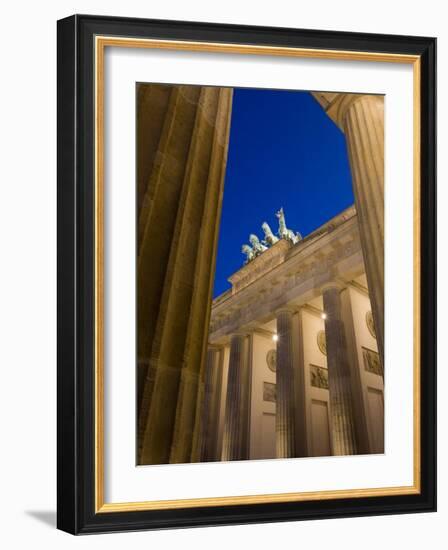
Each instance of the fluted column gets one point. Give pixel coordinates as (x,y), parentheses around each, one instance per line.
(165,124)
(178,226)
(285,425)
(236,426)
(210,406)
(359,404)
(361,118)
(302,447)
(207,170)
(339,381)
(157,105)
(364,129)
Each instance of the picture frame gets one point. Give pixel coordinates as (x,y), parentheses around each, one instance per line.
(82,40)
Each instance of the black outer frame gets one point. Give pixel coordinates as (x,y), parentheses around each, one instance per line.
(75,402)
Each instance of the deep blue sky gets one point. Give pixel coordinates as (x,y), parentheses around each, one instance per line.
(283,151)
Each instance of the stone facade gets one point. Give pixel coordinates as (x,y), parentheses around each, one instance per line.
(306,305)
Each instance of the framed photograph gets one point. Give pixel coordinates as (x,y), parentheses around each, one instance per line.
(246,274)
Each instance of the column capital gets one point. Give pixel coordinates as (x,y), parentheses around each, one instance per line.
(332,284)
(286,309)
(215,347)
(337,105)
(240,333)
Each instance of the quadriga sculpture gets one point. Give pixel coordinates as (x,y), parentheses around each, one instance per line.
(250,255)
(269,237)
(283,231)
(257,247)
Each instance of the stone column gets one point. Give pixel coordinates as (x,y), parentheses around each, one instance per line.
(302,447)
(364,128)
(165,124)
(285,425)
(178,226)
(210,406)
(236,426)
(361,118)
(359,404)
(339,381)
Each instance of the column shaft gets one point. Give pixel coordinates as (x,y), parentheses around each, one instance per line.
(364,130)
(160,182)
(153,103)
(180,218)
(236,426)
(341,402)
(302,447)
(208,168)
(210,407)
(285,425)
(359,405)
(361,118)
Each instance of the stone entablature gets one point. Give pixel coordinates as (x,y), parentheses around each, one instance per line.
(222,297)
(258,267)
(288,275)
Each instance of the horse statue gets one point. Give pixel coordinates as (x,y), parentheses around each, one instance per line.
(269,237)
(282,229)
(257,247)
(250,254)
(284,232)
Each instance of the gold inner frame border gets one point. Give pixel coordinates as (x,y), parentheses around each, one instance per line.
(101,42)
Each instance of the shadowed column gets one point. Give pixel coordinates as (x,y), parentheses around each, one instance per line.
(359,405)
(202,241)
(178,226)
(285,425)
(210,406)
(165,124)
(236,427)
(339,382)
(301,447)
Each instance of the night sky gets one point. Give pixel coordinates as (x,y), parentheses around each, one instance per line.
(284,151)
